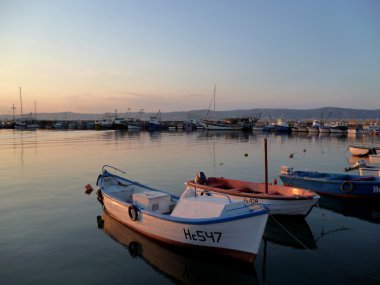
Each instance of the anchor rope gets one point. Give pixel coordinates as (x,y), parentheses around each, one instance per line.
(321,258)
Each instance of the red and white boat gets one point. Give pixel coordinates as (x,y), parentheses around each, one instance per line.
(280,199)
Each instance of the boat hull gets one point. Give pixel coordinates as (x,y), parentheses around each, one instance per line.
(374,158)
(339,185)
(282,207)
(220,127)
(361,150)
(369,171)
(231,238)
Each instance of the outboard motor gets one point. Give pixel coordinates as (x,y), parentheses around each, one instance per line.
(360,163)
(200,178)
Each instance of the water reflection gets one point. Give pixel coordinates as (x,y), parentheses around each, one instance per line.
(364,210)
(289,231)
(227,135)
(182,266)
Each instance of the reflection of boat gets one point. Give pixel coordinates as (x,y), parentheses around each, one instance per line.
(182,266)
(365,210)
(289,231)
(219,225)
(281,200)
(333,184)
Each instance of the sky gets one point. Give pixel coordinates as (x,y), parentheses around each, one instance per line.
(95,56)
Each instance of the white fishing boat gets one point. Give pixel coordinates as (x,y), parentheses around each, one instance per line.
(208,223)
(374,158)
(229,124)
(362,150)
(281,200)
(369,170)
(365,169)
(314,128)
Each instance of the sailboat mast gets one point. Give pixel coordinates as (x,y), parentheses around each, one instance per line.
(21,104)
(214,98)
(13,111)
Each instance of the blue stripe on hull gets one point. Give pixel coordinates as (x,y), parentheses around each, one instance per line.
(360,189)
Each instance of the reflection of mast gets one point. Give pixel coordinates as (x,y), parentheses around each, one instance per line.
(35,111)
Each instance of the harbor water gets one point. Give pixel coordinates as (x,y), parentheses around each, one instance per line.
(53,233)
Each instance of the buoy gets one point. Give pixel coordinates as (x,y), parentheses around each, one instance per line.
(88,189)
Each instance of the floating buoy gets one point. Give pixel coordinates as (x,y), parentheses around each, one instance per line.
(88,189)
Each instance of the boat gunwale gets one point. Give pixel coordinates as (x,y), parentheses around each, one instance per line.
(168,217)
(233,192)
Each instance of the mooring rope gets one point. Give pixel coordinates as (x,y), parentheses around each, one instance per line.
(321,258)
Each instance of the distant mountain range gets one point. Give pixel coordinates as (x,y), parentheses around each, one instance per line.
(326,113)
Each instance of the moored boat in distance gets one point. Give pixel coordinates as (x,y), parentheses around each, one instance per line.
(201,222)
(281,200)
(333,184)
(362,150)
(364,169)
(340,128)
(374,158)
(314,128)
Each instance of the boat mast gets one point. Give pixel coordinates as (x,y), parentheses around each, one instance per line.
(266,164)
(13,110)
(209,107)
(21,104)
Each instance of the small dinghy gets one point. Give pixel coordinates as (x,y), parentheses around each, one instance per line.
(217,224)
(365,169)
(361,150)
(281,200)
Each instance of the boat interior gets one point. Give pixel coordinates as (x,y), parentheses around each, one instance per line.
(249,189)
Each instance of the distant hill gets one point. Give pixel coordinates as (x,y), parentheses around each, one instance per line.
(326,113)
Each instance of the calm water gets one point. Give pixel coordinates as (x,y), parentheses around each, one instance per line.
(49,232)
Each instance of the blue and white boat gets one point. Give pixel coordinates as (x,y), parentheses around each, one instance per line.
(154,123)
(333,184)
(219,225)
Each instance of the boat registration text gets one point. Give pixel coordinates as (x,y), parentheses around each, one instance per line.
(202,235)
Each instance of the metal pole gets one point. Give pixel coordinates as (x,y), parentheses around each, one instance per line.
(266,165)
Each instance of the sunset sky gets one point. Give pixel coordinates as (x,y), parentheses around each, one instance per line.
(95,56)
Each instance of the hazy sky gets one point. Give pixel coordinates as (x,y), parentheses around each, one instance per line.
(101,55)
